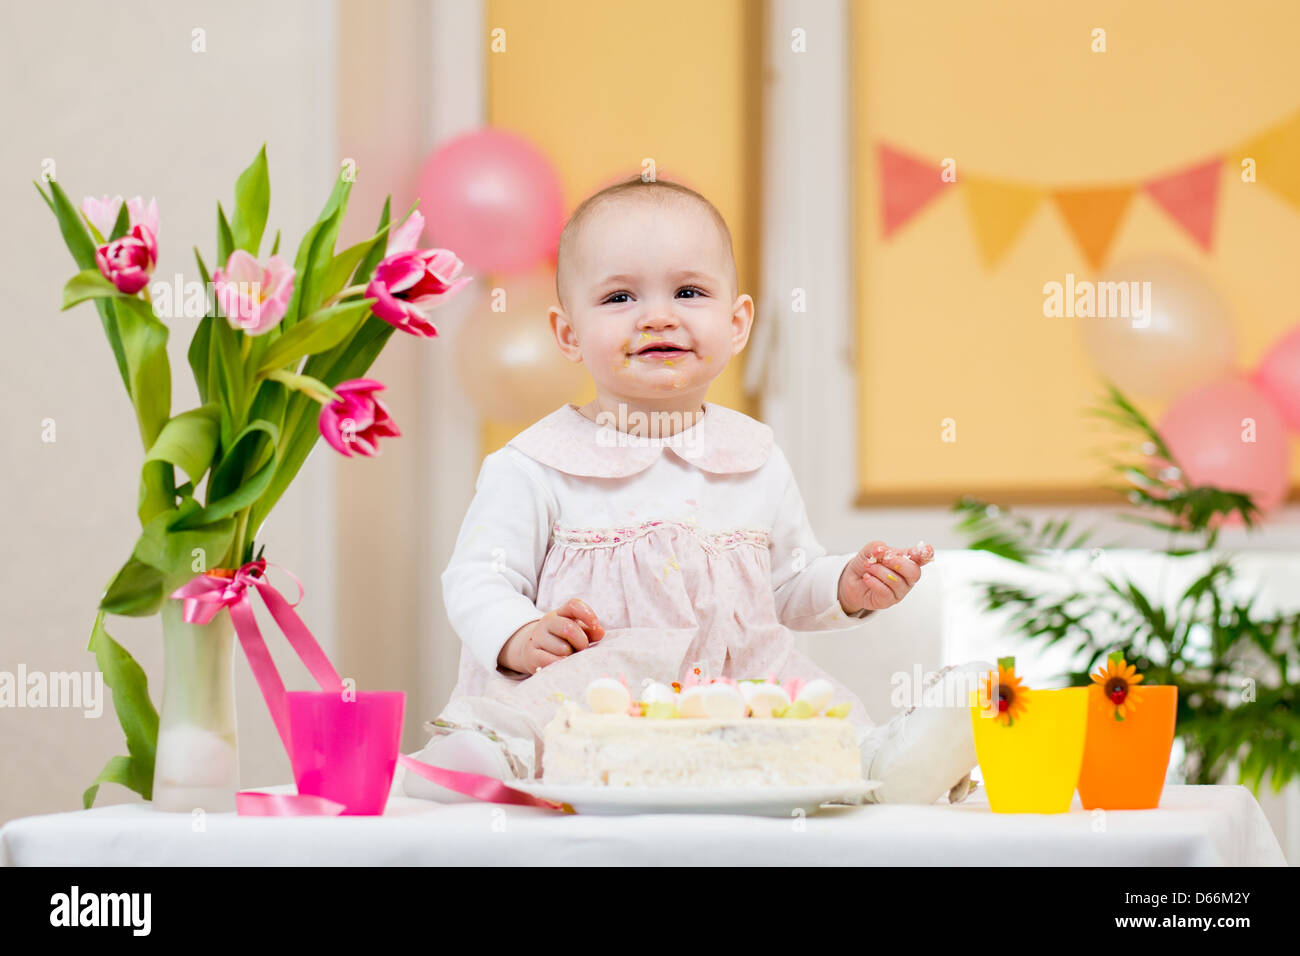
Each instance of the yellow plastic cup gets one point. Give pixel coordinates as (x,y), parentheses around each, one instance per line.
(1033,765)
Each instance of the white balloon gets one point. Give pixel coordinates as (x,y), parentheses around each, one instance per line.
(1181,337)
(507,361)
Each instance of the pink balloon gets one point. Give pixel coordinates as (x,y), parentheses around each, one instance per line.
(1278,376)
(494,199)
(1210,431)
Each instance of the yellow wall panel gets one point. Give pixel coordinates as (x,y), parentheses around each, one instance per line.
(1013,90)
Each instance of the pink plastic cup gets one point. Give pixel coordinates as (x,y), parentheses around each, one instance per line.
(344,749)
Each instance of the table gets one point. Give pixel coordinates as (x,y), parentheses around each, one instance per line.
(1194,826)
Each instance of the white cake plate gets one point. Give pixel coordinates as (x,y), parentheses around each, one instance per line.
(753,801)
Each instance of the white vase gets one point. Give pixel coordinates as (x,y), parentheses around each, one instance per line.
(196,765)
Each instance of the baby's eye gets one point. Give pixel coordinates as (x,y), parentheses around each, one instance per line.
(611,298)
(699,292)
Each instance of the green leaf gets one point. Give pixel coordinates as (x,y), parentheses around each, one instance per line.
(252,200)
(135,712)
(314,254)
(225,239)
(144,342)
(189,441)
(313,388)
(121,224)
(275,246)
(135,591)
(231,489)
(170,540)
(87,284)
(376,254)
(343,265)
(198,354)
(75,235)
(226,378)
(118,770)
(318,332)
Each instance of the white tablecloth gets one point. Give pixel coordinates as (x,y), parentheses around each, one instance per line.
(1194,826)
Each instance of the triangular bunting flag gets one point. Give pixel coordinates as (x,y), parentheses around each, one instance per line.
(998,210)
(907,184)
(1189,197)
(1094,215)
(1276,153)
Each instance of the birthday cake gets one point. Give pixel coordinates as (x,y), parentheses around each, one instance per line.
(720,733)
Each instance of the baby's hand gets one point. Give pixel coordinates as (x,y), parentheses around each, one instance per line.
(880,576)
(553,637)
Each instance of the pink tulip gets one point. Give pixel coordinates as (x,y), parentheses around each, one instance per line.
(410,281)
(128,261)
(359,420)
(253,296)
(103,213)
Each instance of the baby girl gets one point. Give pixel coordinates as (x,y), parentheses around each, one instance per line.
(650,533)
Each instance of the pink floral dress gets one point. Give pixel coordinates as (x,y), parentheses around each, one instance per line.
(694,551)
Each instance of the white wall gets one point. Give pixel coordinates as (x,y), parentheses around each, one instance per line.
(115,95)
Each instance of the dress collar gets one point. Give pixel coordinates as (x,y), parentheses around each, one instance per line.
(723,441)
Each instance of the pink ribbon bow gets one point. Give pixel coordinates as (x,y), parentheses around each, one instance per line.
(208,593)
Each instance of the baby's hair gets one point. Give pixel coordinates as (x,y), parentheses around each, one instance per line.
(658,190)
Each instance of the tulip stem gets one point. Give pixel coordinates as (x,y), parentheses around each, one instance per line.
(245,347)
(343,294)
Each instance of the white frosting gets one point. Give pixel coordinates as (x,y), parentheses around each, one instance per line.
(690,703)
(723,702)
(817,694)
(657,693)
(765,698)
(608,696)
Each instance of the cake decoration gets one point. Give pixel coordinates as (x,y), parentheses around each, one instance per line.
(717,698)
(608,696)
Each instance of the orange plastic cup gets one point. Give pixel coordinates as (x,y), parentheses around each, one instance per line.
(1124,761)
(1033,765)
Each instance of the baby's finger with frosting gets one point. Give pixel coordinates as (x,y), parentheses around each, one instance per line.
(921,553)
(900,563)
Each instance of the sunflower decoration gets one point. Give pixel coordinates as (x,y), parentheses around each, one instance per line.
(1012,697)
(1119,682)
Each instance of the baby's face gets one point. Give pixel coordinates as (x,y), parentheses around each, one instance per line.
(646,274)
